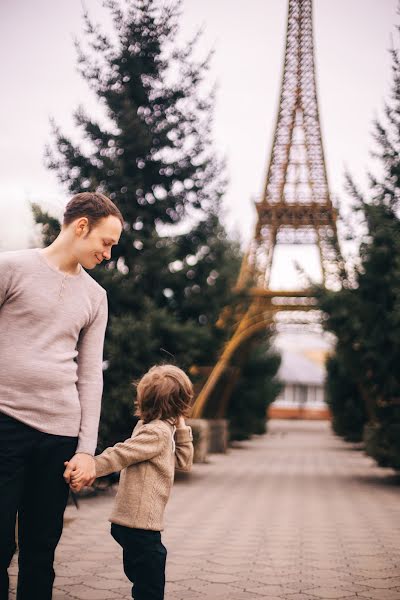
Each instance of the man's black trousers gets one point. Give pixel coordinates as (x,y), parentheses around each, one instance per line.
(32,484)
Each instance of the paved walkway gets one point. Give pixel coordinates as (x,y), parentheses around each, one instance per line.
(293,515)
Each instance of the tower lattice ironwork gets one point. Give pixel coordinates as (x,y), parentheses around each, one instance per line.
(295,207)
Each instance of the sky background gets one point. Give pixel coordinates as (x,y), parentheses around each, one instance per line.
(40,80)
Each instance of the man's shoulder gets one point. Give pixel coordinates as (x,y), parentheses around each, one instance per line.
(17,258)
(93,286)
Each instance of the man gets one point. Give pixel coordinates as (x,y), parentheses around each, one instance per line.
(53,317)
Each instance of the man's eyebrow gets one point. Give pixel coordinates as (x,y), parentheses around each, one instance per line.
(111,240)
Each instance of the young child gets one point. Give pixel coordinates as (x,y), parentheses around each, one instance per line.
(160,442)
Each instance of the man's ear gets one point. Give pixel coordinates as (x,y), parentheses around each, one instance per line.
(82,227)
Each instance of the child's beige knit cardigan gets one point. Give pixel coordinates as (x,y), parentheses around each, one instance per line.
(147,462)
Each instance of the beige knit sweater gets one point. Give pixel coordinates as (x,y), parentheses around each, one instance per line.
(147,462)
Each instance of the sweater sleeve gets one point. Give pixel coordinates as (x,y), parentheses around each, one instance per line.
(183,448)
(5,277)
(144,446)
(90,378)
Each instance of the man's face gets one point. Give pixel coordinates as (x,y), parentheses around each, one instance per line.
(95,246)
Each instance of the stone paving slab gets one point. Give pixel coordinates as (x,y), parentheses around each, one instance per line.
(294,515)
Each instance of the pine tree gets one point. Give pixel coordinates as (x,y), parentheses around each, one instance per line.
(50,226)
(344,399)
(152,155)
(257,388)
(366,319)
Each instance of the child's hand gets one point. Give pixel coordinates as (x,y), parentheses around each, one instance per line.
(180,422)
(75,487)
(78,479)
(77,476)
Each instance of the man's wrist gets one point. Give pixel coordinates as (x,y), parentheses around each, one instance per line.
(85,453)
(85,449)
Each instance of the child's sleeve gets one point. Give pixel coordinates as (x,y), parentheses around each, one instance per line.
(144,446)
(183,448)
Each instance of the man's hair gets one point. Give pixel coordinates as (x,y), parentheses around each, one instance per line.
(164,392)
(92,205)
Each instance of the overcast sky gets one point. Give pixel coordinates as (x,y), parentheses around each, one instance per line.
(39,80)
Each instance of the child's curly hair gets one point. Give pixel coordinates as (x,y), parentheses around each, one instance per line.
(164,392)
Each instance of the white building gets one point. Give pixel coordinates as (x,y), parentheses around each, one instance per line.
(303,393)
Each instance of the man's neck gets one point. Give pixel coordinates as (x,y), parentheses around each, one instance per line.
(59,256)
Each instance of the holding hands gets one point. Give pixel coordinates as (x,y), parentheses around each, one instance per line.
(80,471)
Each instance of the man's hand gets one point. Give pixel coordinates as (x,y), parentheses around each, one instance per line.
(80,471)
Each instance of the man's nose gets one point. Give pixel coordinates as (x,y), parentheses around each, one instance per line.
(107,254)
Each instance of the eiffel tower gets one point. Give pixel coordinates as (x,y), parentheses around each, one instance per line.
(295,208)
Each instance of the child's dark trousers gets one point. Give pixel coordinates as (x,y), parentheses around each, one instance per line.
(144,559)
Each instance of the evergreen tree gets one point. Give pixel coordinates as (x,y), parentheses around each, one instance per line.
(152,155)
(257,388)
(366,319)
(344,399)
(50,226)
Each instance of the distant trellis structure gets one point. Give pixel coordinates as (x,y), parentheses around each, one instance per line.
(295,208)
